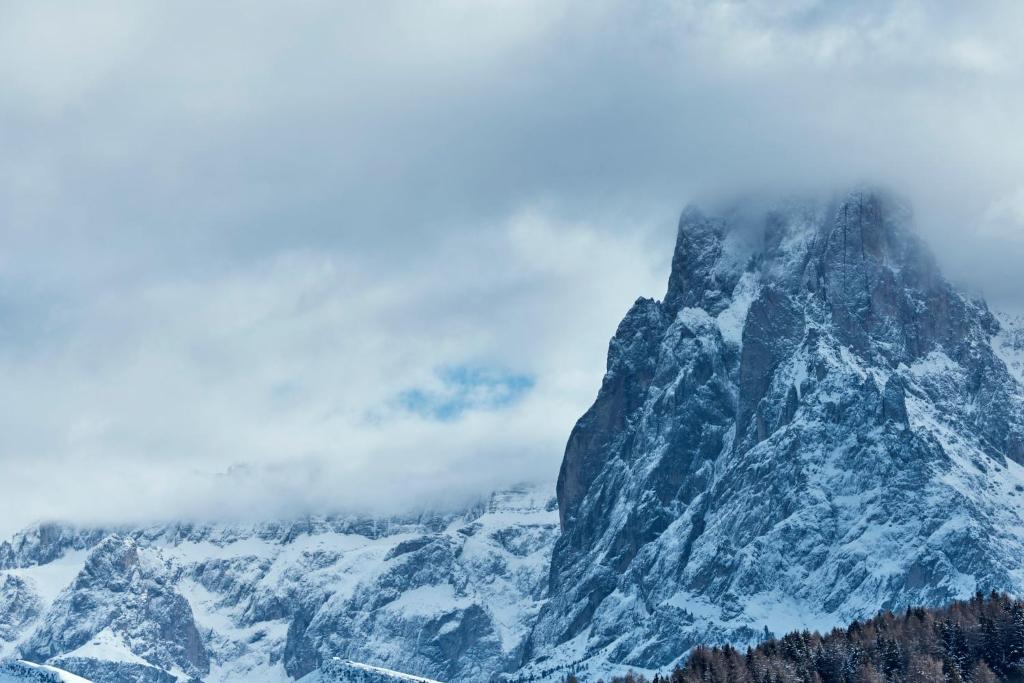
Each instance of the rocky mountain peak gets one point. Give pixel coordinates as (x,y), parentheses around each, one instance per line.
(125,596)
(813,425)
(811,395)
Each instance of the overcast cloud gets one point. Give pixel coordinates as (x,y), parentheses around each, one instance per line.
(279,258)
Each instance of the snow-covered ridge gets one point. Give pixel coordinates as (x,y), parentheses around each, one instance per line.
(267,602)
(19,671)
(338,670)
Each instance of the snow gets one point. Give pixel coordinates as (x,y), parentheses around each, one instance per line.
(191,551)
(734,317)
(1009,343)
(935,363)
(108,646)
(389,673)
(48,580)
(237,671)
(337,670)
(21,671)
(240,581)
(427,601)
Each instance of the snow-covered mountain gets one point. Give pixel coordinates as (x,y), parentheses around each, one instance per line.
(812,425)
(1009,343)
(448,596)
(18,671)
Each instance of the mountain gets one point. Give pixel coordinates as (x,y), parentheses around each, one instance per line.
(452,595)
(813,425)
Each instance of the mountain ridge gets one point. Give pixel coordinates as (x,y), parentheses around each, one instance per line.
(812,425)
(268,601)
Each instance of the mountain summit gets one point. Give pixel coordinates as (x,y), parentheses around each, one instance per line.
(813,425)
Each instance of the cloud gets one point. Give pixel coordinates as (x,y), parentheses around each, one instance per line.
(311,381)
(252,242)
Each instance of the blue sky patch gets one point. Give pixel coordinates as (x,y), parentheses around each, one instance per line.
(461,388)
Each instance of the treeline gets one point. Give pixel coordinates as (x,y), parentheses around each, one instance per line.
(975,641)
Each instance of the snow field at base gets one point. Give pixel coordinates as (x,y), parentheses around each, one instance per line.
(108,646)
(50,579)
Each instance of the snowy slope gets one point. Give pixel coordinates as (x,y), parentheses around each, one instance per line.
(18,671)
(1009,343)
(338,670)
(450,596)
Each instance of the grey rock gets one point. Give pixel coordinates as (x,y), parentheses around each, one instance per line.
(445,595)
(856,447)
(19,607)
(44,543)
(14,670)
(130,592)
(121,672)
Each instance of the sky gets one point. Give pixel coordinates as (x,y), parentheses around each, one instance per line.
(262,259)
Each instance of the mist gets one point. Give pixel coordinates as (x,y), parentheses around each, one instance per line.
(263,260)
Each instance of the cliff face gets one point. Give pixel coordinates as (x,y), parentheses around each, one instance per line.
(814,424)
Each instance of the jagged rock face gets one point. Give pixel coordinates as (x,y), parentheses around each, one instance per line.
(803,432)
(451,596)
(454,605)
(128,591)
(44,543)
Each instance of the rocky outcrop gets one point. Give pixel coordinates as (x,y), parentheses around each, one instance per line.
(454,605)
(128,591)
(43,543)
(19,607)
(805,430)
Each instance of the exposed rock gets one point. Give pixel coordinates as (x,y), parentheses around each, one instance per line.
(813,425)
(337,670)
(19,606)
(447,595)
(130,592)
(856,446)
